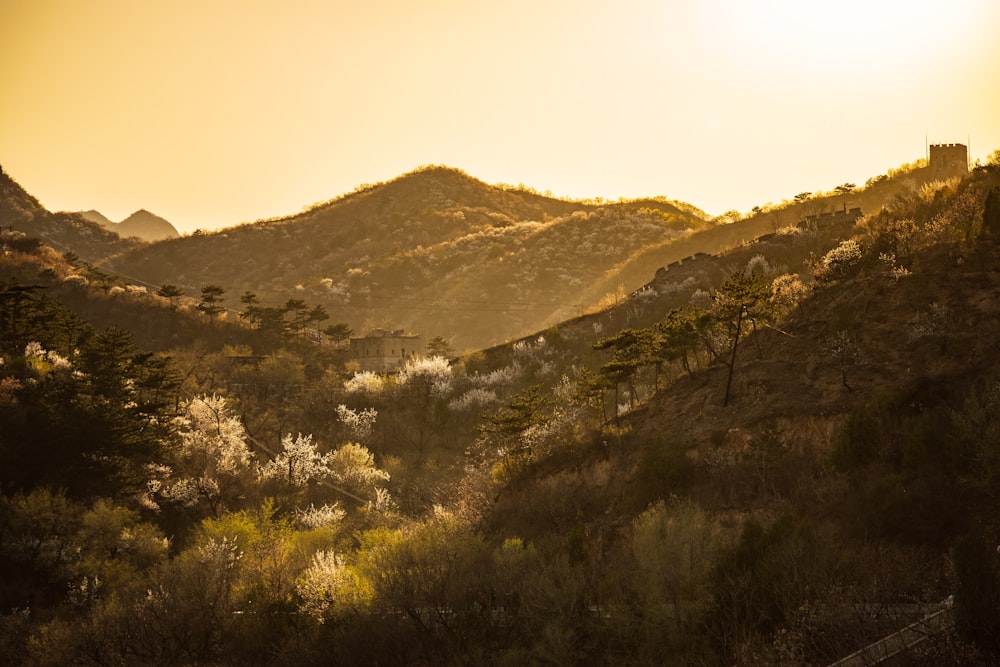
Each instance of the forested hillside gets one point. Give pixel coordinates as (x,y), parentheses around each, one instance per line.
(775,453)
(434,251)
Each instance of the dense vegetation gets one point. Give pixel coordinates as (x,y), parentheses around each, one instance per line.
(772,456)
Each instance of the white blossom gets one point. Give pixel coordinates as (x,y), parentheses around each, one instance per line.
(360,422)
(329,585)
(213,435)
(434,370)
(476,398)
(299,462)
(320,517)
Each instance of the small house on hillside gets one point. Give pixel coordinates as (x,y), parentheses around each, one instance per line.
(385,351)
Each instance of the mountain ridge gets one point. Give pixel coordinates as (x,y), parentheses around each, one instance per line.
(407,251)
(141,224)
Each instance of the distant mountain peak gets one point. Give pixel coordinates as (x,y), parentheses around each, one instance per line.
(141,224)
(98,217)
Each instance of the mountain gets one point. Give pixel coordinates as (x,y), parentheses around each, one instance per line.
(434,251)
(67,232)
(99,218)
(142,225)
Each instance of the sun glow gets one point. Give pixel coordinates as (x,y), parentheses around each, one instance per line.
(866,36)
(210,114)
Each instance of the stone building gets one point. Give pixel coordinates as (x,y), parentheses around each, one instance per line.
(385,351)
(947,160)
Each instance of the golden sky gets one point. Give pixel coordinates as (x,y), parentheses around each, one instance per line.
(215,112)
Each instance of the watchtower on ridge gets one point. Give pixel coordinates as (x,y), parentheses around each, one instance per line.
(947,160)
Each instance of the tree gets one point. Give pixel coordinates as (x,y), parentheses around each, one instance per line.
(504,429)
(632,349)
(672,548)
(212,459)
(171,293)
(298,463)
(299,309)
(802,196)
(844,351)
(439,347)
(352,466)
(338,332)
(845,188)
(424,385)
(251,307)
(22,316)
(211,298)
(317,314)
(271,322)
(736,302)
(680,336)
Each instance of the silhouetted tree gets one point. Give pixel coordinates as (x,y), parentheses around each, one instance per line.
(171,293)
(736,303)
(251,309)
(317,314)
(211,298)
(298,309)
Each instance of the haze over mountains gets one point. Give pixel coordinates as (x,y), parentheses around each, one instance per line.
(142,225)
(434,251)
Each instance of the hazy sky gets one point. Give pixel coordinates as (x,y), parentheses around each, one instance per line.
(215,112)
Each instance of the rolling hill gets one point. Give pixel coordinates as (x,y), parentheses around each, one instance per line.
(434,251)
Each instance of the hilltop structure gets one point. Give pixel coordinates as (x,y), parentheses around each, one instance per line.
(385,351)
(947,160)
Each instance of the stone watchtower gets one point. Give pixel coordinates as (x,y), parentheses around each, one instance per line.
(948,160)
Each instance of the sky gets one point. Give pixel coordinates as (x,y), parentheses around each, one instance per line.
(213,113)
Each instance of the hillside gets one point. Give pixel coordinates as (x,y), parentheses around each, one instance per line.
(434,251)
(772,454)
(142,224)
(68,232)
